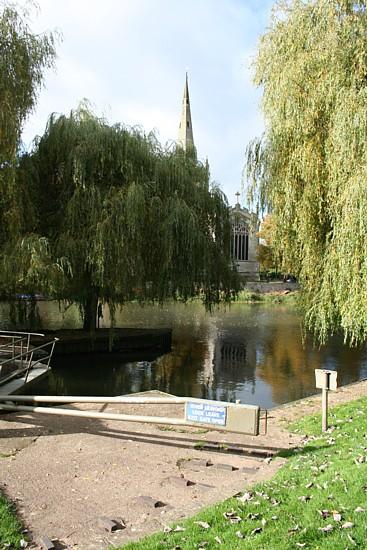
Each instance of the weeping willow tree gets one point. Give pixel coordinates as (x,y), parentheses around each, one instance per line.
(24,57)
(124,219)
(310,167)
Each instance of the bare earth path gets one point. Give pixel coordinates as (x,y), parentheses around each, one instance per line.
(65,473)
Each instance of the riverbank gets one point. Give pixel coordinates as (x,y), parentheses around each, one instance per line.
(87,469)
(271,292)
(287,297)
(317,500)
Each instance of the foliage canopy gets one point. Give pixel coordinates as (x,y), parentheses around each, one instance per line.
(310,167)
(23,58)
(265,252)
(122,218)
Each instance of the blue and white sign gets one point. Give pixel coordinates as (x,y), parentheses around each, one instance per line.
(206,413)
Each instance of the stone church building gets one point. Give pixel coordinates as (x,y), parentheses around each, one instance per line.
(245,225)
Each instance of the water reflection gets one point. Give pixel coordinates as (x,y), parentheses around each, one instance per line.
(251,353)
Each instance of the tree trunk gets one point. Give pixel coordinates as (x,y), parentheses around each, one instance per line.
(90,312)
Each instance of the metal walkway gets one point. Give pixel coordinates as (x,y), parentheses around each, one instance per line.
(18,356)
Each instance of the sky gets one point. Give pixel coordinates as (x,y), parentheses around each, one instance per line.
(129,58)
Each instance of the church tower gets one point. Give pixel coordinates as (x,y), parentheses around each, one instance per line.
(185,134)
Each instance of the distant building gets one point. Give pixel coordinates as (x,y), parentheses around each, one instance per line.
(185,133)
(244,241)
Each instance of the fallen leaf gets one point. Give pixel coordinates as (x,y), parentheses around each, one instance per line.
(359,509)
(179,529)
(217,539)
(300,544)
(235,519)
(239,534)
(167,529)
(336,516)
(308,486)
(256,531)
(324,513)
(232,516)
(202,524)
(347,525)
(293,529)
(263,495)
(253,516)
(326,529)
(246,497)
(304,498)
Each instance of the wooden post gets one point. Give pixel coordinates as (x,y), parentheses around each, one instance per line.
(325,380)
(324,409)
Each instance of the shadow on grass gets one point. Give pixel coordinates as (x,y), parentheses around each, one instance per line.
(301,451)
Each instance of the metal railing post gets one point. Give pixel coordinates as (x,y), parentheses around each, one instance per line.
(19,353)
(51,353)
(28,368)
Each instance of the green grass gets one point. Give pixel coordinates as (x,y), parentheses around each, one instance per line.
(10,528)
(248,297)
(323,485)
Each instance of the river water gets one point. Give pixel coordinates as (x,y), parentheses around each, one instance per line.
(253,353)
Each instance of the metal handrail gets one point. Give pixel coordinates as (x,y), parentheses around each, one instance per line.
(11,347)
(27,355)
(30,351)
(16,342)
(17,337)
(25,333)
(48,357)
(11,337)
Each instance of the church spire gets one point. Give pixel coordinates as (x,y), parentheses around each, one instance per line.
(185,135)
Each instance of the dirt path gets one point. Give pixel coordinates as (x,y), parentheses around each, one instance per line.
(66,473)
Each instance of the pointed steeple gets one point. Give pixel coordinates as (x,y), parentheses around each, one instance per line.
(185,134)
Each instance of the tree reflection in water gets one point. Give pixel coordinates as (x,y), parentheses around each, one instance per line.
(249,352)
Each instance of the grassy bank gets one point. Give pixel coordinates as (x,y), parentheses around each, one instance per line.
(318,500)
(10,528)
(248,297)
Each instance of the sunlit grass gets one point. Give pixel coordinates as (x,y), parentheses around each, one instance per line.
(249,297)
(10,528)
(318,500)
